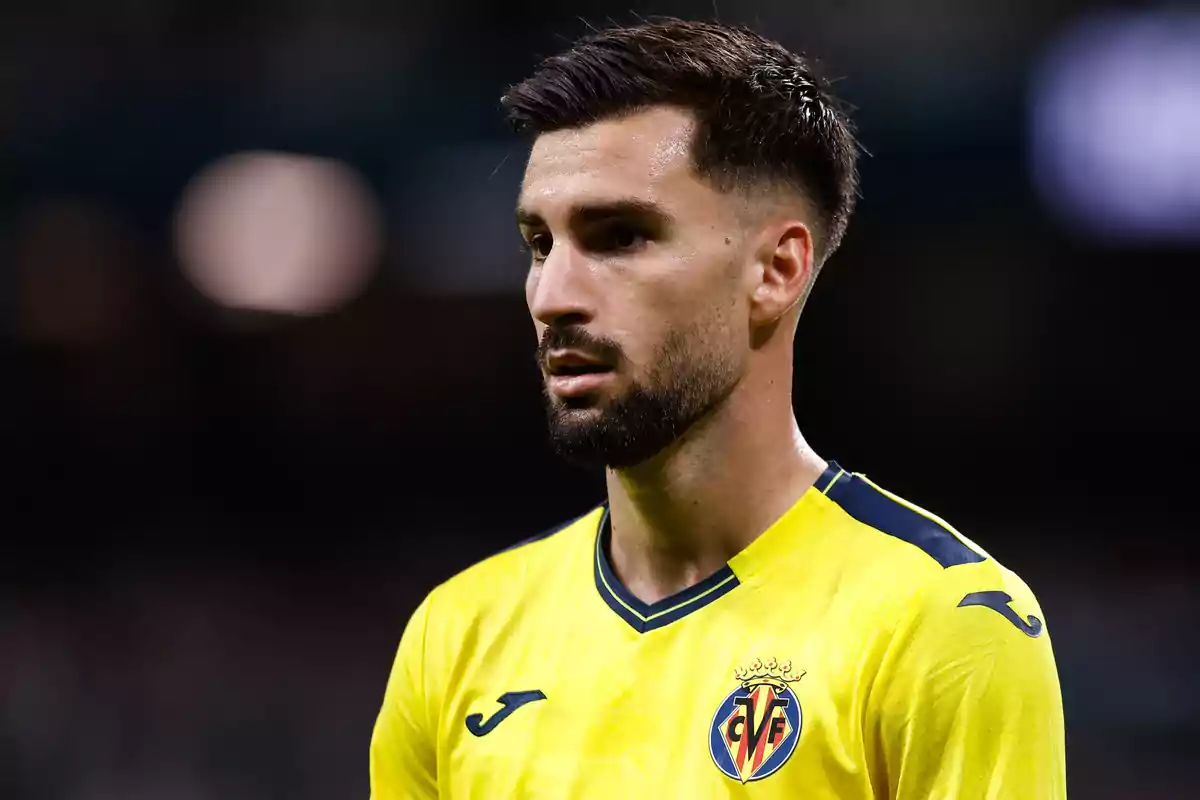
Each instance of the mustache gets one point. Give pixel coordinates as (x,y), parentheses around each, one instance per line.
(576,338)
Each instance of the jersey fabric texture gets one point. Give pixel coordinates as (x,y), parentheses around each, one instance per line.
(858,648)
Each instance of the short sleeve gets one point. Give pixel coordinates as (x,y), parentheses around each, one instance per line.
(402,752)
(968,703)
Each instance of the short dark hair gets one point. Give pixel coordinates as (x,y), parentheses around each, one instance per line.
(763,116)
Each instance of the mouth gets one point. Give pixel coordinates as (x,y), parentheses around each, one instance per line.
(565,386)
(574,374)
(567,370)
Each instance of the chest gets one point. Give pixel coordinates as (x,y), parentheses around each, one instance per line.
(731,703)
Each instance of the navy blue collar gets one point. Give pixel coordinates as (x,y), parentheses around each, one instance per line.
(643,617)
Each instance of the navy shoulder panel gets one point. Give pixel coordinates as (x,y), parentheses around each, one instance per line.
(870,506)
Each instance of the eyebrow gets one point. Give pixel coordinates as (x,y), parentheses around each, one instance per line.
(586,213)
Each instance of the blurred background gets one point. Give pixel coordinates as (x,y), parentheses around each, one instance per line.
(268,376)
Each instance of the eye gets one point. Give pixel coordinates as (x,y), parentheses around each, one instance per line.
(618,237)
(625,237)
(539,246)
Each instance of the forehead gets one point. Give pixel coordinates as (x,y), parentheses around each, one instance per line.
(644,156)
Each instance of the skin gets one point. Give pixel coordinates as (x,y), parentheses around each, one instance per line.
(722,277)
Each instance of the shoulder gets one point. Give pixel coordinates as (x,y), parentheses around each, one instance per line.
(478,605)
(511,575)
(930,565)
(902,527)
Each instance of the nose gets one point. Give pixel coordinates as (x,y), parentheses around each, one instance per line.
(561,291)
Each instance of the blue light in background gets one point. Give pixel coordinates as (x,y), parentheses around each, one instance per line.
(1115,127)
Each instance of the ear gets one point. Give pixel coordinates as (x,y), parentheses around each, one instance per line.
(787,261)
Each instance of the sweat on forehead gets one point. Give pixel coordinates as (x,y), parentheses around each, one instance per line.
(646,149)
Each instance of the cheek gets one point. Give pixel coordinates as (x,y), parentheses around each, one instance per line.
(654,337)
(710,331)
(682,301)
(639,341)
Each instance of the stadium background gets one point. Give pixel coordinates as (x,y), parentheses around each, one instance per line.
(254,407)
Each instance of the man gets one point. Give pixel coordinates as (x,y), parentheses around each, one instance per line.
(740,618)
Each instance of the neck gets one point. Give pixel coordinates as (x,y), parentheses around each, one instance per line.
(679,517)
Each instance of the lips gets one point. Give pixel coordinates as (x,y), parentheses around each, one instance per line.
(569,363)
(576,385)
(572,373)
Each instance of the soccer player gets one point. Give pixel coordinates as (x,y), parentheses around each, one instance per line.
(739,617)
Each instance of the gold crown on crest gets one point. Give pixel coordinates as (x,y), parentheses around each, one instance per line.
(770,672)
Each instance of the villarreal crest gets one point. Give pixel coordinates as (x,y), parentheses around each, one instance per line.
(757,726)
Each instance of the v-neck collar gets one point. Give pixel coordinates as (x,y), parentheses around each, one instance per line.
(644,617)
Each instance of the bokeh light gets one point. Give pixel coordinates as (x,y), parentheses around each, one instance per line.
(1115,136)
(278,232)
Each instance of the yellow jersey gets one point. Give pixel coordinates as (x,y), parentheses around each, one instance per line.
(858,648)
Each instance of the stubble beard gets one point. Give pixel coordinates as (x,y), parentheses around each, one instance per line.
(688,382)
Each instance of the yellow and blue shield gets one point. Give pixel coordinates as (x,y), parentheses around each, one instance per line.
(756,727)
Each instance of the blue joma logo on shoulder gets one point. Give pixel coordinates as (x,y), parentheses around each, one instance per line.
(999,602)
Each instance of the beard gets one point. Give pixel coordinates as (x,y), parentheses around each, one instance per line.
(689,379)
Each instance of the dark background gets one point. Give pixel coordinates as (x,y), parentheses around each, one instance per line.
(217,516)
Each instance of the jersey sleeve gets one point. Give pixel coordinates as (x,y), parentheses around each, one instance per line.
(969,704)
(402,752)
